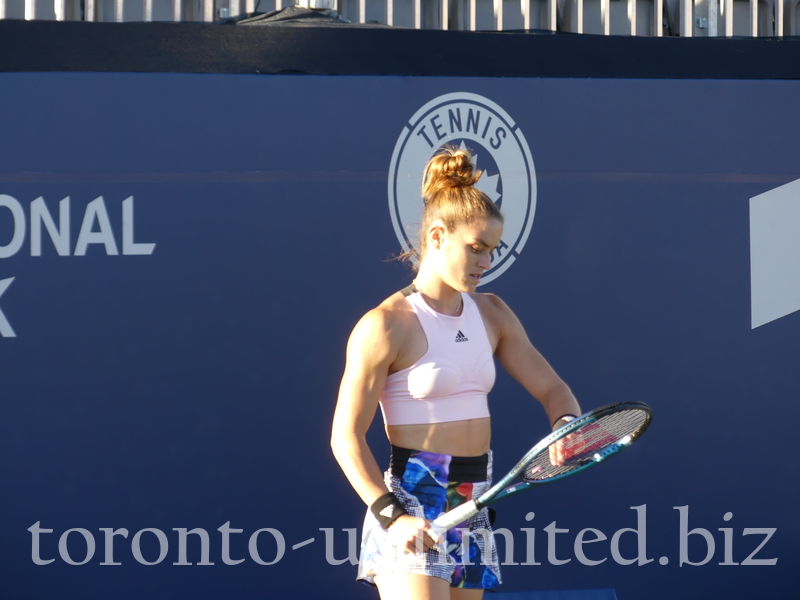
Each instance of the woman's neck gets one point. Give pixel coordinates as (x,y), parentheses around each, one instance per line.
(440,297)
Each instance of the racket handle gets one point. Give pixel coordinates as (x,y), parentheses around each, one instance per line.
(452,518)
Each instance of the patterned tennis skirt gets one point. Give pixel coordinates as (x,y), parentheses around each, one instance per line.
(428,485)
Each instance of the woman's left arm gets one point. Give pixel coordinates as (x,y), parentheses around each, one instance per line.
(525,364)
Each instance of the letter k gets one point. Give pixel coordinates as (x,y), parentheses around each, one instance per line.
(5,326)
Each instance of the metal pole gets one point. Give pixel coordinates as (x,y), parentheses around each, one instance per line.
(498,14)
(687,28)
(632,15)
(658,18)
(728,8)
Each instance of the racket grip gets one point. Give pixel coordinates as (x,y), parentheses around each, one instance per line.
(453,517)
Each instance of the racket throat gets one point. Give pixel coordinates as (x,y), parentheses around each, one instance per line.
(456,516)
(516,488)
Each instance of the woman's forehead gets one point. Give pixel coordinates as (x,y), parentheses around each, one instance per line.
(483,228)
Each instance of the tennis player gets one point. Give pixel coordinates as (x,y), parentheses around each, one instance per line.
(425,355)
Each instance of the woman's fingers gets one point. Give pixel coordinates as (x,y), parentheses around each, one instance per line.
(565,448)
(411,534)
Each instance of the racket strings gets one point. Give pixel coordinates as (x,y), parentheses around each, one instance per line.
(590,442)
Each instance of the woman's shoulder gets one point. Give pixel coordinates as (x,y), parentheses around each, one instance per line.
(396,302)
(395,309)
(390,316)
(488,303)
(492,308)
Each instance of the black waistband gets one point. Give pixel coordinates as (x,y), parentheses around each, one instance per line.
(469,469)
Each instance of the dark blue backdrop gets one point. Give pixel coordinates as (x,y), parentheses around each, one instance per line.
(195,386)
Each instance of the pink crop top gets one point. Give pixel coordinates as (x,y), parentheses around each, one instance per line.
(450,382)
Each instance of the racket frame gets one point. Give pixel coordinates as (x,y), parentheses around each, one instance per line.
(504,488)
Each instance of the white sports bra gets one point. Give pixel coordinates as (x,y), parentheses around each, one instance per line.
(450,382)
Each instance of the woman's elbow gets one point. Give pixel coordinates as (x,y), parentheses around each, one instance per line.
(342,442)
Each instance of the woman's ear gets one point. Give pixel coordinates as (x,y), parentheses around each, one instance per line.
(436,235)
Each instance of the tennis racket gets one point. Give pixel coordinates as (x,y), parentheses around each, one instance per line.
(578,445)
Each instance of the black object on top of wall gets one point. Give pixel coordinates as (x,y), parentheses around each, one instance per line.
(344,49)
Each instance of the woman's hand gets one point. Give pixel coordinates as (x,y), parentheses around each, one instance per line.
(587,440)
(566,448)
(411,534)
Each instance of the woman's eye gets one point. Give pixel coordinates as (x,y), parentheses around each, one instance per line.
(476,250)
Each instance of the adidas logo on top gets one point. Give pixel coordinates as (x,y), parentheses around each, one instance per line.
(460,337)
(387,512)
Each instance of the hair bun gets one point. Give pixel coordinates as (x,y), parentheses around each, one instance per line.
(449,168)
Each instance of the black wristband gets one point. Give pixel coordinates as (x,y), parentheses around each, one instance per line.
(563,420)
(387,509)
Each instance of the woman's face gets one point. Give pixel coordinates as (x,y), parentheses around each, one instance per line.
(465,253)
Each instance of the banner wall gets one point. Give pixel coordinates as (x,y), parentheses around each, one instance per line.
(182,258)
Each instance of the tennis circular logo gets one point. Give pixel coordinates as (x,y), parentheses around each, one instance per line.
(499,150)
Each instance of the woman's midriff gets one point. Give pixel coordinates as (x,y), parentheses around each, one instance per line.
(456,438)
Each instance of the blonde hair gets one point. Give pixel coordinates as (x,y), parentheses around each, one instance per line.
(449,193)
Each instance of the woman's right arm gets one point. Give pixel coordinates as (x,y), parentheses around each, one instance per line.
(372,348)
